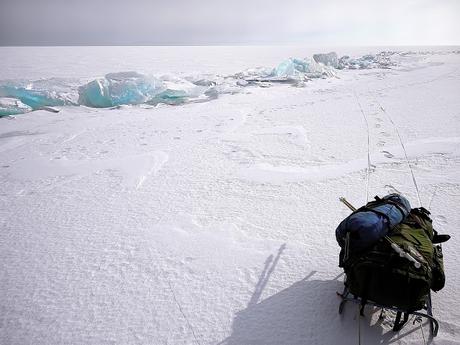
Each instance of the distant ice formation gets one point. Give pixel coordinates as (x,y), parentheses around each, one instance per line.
(119,88)
(380,60)
(291,70)
(301,68)
(329,59)
(132,88)
(12,106)
(18,99)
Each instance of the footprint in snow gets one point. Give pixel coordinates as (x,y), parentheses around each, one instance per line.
(441,220)
(392,189)
(387,154)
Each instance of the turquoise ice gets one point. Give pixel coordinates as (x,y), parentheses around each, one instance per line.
(298,69)
(18,99)
(12,106)
(171,97)
(119,88)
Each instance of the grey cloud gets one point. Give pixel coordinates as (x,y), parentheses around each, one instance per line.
(97,22)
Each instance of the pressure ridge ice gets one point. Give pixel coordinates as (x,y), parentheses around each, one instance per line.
(132,88)
(119,88)
(18,100)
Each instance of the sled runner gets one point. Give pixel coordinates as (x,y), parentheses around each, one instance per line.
(398,323)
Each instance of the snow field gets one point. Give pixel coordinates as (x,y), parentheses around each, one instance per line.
(213,223)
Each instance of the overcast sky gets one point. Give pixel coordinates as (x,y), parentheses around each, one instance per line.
(192,22)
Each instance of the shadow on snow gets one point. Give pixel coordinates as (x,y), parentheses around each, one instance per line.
(304,313)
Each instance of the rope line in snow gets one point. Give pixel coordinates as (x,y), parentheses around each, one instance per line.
(183,314)
(358,315)
(432,197)
(405,152)
(368,170)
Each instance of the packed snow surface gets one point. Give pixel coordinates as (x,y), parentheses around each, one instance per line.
(194,200)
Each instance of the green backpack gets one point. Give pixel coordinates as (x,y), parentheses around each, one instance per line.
(381,275)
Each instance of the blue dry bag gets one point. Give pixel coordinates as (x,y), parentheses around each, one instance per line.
(372,222)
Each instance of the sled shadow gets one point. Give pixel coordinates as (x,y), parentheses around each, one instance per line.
(304,313)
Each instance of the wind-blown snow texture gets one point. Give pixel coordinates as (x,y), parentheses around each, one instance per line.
(213,222)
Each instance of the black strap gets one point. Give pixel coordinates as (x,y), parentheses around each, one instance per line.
(362,305)
(398,325)
(384,215)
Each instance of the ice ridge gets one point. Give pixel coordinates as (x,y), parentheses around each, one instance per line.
(132,88)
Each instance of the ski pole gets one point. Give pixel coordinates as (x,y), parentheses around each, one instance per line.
(402,253)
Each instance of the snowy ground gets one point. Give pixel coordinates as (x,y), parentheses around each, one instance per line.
(213,223)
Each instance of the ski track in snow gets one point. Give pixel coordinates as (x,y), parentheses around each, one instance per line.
(213,223)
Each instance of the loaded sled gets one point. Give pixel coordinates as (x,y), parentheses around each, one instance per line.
(392,259)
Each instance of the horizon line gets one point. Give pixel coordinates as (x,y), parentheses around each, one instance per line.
(228,45)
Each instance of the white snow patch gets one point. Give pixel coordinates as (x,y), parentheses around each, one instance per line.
(134,169)
(298,133)
(268,173)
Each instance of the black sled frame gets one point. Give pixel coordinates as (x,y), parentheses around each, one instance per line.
(398,323)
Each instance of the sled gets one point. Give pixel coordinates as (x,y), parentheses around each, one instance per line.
(398,323)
